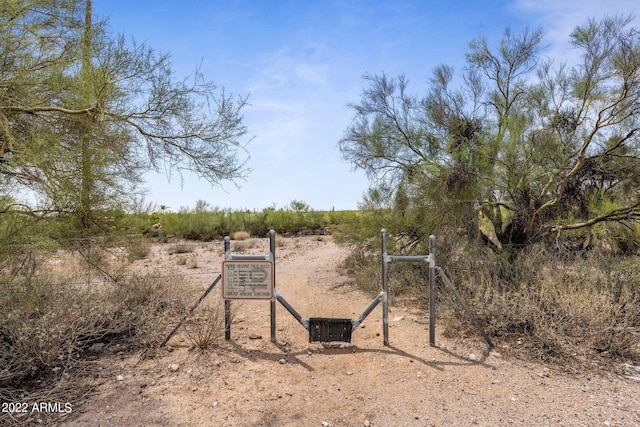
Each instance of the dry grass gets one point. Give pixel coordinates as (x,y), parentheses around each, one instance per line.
(576,312)
(138,248)
(180,248)
(50,324)
(189,261)
(573,312)
(206,327)
(243,245)
(240,235)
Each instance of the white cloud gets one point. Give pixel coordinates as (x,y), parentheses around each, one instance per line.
(559,18)
(296,98)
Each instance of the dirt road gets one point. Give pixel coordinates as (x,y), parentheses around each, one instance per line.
(250,381)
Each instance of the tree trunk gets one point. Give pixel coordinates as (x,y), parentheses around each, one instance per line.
(86,189)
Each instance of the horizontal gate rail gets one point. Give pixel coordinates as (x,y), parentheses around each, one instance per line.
(430,259)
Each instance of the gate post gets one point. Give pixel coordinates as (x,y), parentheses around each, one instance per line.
(272,252)
(227,303)
(385,298)
(432,290)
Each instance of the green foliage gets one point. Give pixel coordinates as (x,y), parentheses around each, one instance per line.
(205,223)
(85,113)
(533,148)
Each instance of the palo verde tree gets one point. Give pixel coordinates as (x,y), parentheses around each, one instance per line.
(84,113)
(521,150)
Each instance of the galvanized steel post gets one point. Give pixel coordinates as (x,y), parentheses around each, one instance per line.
(272,251)
(227,303)
(385,297)
(432,290)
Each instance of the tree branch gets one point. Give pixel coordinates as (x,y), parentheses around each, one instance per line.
(48,109)
(631,213)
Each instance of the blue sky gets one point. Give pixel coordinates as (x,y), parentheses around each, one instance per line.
(301,62)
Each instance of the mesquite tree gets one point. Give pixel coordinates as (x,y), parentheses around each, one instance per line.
(524,148)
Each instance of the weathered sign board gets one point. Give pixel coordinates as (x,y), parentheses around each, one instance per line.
(243,279)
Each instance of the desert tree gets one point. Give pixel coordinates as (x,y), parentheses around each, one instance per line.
(84,113)
(520,148)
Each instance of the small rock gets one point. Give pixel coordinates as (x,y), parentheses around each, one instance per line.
(174,367)
(397,319)
(119,378)
(367,423)
(282,361)
(326,424)
(473,357)
(349,373)
(169,348)
(254,336)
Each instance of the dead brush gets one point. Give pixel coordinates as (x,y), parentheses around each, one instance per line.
(364,268)
(189,261)
(203,330)
(180,248)
(243,245)
(568,311)
(138,248)
(240,235)
(49,325)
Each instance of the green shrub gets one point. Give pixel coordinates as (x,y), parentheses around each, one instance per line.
(204,223)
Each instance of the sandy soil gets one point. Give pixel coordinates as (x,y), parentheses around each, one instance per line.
(251,381)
